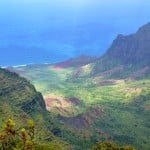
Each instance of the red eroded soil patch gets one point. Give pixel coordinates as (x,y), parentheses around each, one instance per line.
(74,100)
(49,102)
(86,119)
(64,64)
(76,62)
(106,82)
(61,105)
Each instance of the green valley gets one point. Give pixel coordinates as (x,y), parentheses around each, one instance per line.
(94,99)
(94,108)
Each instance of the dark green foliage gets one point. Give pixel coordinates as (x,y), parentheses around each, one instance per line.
(110,146)
(20,101)
(124,103)
(13,139)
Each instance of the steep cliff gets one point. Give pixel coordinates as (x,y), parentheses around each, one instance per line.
(20,101)
(130,53)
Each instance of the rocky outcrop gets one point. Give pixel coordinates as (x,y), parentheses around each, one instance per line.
(132,52)
(132,49)
(20,101)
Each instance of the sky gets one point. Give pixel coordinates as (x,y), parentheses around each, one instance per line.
(46,31)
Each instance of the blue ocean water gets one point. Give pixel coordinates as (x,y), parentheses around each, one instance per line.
(44,31)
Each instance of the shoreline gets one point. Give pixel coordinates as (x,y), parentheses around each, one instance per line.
(23,65)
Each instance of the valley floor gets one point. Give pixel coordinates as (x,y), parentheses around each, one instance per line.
(94,108)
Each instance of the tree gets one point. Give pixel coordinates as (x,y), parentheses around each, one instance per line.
(13,139)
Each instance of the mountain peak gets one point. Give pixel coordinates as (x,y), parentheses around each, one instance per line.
(144,28)
(134,48)
(129,51)
(120,36)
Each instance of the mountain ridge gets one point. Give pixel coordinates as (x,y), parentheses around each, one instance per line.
(108,98)
(131,51)
(20,101)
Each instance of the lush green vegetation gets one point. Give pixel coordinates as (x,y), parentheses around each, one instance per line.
(20,101)
(12,138)
(107,109)
(88,99)
(111,146)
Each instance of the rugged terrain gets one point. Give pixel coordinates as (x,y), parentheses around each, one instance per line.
(20,101)
(97,99)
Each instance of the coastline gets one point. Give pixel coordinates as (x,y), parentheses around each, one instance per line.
(24,65)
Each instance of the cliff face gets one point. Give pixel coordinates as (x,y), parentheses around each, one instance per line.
(20,101)
(132,49)
(131,52)
(19,92)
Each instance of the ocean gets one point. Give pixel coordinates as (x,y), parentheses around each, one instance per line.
(46,31)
